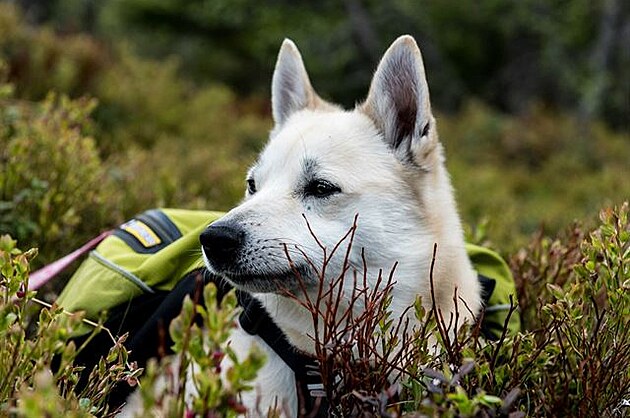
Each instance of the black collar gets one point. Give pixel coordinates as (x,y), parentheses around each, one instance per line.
(255,320)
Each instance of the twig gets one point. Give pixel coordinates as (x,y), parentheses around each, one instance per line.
(87,321)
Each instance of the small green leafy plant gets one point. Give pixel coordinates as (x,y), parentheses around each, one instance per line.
(37,373)
(191,381)
(38,376)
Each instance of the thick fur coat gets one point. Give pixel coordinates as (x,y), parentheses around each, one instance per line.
(381,161)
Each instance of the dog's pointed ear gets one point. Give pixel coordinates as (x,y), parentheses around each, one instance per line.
(398,101)
(291,88)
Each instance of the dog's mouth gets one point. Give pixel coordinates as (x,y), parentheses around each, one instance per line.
(284,281)
(259,277)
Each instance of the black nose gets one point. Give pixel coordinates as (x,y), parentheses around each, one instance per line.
(221,243)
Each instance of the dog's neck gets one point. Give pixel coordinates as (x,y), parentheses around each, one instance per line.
(295,321)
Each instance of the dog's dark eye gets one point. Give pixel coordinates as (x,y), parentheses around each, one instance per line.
(251,186)
(321,188)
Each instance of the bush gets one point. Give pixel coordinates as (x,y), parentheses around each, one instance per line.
(583,304)
(572,358)
(52,182)
(28,386)
(206,348)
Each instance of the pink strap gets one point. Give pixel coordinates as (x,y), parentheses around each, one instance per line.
(42,276)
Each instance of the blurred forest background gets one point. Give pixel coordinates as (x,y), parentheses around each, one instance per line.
(108,108)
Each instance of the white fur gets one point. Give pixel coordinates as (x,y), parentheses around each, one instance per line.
(386,158)
(403,197)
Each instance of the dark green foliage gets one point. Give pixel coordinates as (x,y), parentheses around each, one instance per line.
(43,60)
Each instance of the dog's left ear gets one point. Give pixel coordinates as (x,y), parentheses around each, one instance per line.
(291,88)
(398,102)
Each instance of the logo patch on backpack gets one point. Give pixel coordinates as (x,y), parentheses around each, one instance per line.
(142,233)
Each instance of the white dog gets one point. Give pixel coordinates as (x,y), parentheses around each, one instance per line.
(381,161)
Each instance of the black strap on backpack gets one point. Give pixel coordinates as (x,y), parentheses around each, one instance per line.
(146,319)
(488,330)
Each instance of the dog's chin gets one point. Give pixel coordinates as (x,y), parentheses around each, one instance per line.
(280,282)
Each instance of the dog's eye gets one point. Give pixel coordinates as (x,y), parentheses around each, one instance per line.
(251,186)
(321,188)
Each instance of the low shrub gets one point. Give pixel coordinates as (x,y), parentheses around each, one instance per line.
(38,376)
(53,186)
(571,359)
(163,389)
(28,385)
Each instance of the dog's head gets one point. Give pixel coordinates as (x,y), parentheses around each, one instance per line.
(323,166)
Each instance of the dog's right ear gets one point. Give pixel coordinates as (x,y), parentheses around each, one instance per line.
(291,88)
(398,103)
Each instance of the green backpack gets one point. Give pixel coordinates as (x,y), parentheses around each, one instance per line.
(155,250)
(149,253)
